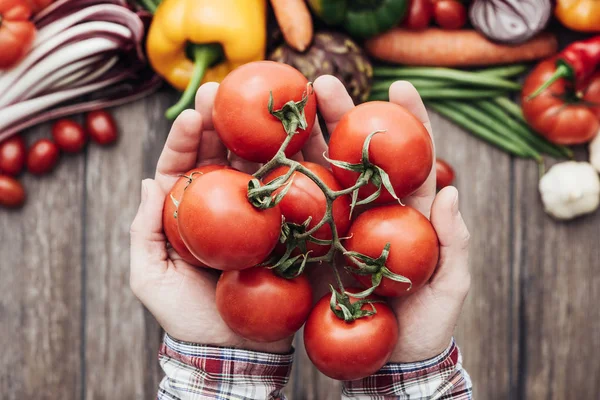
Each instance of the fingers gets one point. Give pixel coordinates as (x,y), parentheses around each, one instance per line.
(148,243)
(316,146)
(333,100)
(180,151)
(211,149)
(453,268)
(404,94)
(240,164)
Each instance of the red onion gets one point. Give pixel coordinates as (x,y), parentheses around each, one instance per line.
(87,54)
(510,21)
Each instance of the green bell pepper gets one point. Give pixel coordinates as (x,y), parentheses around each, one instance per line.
(361,18)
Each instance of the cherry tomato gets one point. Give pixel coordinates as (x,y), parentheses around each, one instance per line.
(42,157)
(170,221)
(12,194)
(12,155)
(350,350)
(241,116)
(557,113)
(261,306)
(219,225)
(404,150)
(304,199)
(419,14)
(414,246)
(449,14)
(444,174)
(101,127)
(69,135)
(16,32)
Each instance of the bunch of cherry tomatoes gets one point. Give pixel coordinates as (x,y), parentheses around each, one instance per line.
(266,231)
(447,14)
(68,136)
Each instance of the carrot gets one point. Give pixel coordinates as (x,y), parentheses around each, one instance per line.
(295,22)
(460,48)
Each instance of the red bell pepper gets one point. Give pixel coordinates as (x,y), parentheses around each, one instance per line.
(16,31)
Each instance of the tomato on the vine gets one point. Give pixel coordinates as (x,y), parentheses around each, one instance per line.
(12,155)
(259,305)
(449,14)
(69,135)
(305,199)
(350,350)
(241,115)
(444,174)
(404,151)
(42,157)
(12,193)
(419,14)
(414,246)
(170,221)
(101,127)
(220,227)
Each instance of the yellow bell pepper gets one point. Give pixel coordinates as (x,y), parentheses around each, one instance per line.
(227,32)
(580,15)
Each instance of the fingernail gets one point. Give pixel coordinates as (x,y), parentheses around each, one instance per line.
(144,191)
(455,203)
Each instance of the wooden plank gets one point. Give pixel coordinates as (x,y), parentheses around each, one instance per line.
(40,285)
(557,264)
(483,181)
(121,337)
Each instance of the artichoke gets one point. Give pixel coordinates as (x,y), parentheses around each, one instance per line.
(335,54)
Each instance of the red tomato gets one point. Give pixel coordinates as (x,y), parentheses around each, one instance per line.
(304,199)
(444,174)
(101,127)
(557,113)
(16,32)
(170,222)
(12,193)
(219,225)
(12,155)
(419,14)
(69,135)
(259,305)
(404,151)
(42,157)
(241,116)
(350,350)
(449,14)
(38,5)
(414,246)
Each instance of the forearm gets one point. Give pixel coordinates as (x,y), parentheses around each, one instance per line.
(194,372)
(442,377)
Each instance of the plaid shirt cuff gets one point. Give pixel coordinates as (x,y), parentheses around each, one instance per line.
(441,377)
(194,371)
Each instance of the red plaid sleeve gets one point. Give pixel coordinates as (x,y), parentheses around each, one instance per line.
(441,377)
(194,371)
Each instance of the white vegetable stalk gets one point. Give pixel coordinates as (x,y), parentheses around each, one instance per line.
(87,54)
(595,152)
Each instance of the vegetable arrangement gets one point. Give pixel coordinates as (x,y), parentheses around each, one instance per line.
(263,230)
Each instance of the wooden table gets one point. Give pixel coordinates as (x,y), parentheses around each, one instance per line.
(70,328)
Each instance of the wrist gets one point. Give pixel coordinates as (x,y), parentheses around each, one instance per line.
(419,351)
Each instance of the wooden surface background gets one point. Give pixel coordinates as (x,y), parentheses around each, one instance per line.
(70,328)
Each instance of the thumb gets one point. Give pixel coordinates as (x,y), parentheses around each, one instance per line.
(148,243)
(452,273)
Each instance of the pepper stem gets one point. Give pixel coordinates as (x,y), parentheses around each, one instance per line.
(204,55)
(563,70)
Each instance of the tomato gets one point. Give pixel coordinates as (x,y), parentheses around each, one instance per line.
(404,151)
(558,113)
(42,157)
(16,32)
(350,350)
(449,14)
(170,221)
(219,225)
(101,127)
(419,14)
(12,193)
(304,199)
(241,116)
(414,246)
(69,135)
(39,5)
(444,174)
(259,305)
(12,155)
